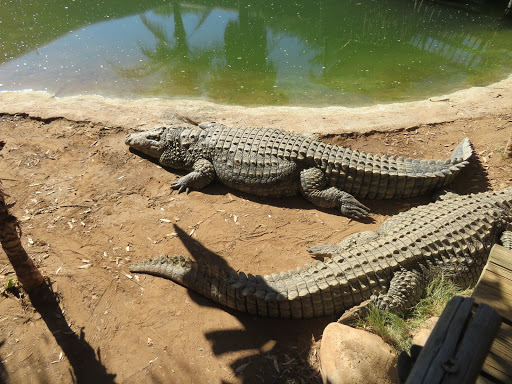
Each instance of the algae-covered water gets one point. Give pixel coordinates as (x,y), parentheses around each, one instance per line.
(252,52)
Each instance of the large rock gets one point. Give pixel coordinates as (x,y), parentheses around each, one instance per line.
(354,356)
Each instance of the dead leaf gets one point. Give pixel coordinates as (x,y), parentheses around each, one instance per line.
(242,368)
(276,366)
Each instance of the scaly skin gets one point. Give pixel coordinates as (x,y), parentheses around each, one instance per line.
(272,162)
(392,265)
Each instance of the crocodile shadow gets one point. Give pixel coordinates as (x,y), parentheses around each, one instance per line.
(276,341)
(472,179)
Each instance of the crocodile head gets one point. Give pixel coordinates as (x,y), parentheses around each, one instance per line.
(151,143)
(168,145)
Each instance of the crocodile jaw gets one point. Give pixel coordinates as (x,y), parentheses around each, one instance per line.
(150,142)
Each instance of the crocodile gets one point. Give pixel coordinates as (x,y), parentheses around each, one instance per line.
(390,266)
(276,163)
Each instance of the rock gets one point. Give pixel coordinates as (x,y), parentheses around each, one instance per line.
(420,337)
(354,356)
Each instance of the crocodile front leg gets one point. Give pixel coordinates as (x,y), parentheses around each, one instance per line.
(352,241)
(313,185)
(202,174)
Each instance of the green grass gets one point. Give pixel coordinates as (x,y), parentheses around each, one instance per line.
(397,329)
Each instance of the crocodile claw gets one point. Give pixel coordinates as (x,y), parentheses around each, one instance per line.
(180,185)
(352,208)
(180,188)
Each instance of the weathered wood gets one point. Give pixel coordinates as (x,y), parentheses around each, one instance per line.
(498,363)
(495,288)
(458,344)
(495,284)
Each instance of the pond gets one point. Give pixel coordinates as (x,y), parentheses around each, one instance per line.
(252,52)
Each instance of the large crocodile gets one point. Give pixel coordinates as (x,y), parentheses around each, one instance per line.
(273,162)
(392,264)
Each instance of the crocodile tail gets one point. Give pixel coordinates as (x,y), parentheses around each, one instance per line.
(446,171)
(463,152)
(292,294)
(375,176)
(249,294)
(430,175)
(197,276)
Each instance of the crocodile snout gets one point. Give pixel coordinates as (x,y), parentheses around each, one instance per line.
(128,139)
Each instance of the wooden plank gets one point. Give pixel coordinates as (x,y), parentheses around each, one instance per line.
(495,284)
(504,273)
(501,256)
(489,291)
(495,288)
(458,345)
(483,380)
(498,362)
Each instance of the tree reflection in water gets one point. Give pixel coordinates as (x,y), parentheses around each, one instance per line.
(180,68)
(238,72)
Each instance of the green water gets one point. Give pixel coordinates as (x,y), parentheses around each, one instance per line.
(250,52)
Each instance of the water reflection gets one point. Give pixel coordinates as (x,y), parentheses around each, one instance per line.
(314,52)
(251,75)
(178,67)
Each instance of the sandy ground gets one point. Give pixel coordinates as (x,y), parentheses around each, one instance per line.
(89,207)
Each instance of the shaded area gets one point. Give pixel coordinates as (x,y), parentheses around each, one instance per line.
(3,372)
(86,363)
(473,178)
(87,367)
(278,341)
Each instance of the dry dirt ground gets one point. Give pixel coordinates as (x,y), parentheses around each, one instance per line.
(88,207)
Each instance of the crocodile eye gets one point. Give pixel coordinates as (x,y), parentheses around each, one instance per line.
(156,134)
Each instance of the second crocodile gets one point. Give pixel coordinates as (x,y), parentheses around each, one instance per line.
(393,264)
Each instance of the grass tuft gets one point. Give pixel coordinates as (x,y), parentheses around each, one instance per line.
(397,329)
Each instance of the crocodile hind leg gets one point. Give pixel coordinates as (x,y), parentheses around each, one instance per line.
(405,291)
(313,186)
(202,174)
